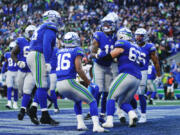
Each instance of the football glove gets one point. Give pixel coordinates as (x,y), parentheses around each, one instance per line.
(101,54)
(93,89)
(48,67)
(21,64)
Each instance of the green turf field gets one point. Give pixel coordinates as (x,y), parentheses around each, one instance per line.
(69,104)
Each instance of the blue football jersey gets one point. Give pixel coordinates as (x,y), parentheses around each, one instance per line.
(151,72)
(12,66)
(106,43)
(66,62)
(23,45)
(147,49)
(44,40)
(129,60)
(53,60)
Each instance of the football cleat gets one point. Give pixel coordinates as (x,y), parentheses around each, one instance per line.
(8,106)
(122,120)
(56,110)
(48,120)
(81,127)
(109,122)
(32,114)
(143,118)
(99,129)
(15,106)
(21,114)
(87,117)
(132,118)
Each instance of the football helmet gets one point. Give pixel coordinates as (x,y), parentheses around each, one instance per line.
(108,24)
(29,31)
(71,39)
(52,16)
(12,45)
(124,34)
(141,35)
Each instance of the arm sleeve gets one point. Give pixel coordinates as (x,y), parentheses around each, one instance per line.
(49,39)
(4,67)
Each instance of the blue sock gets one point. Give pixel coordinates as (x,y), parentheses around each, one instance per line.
(126,107)
(93,108)
(42,97)
(9,91)
(110,107)
(133,103)
(153,95)
(25,100)
(15,95)
(49,97)
(54,98)
(142,101)
(148,93)
(78,108)
(98,98)
(103,102)
(36,98)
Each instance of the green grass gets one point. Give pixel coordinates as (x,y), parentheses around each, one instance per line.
(69,104)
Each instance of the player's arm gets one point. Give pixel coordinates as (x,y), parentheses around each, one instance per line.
(15,51)
(79,70)
(95,46)
(155,60)
(114,53)
(49,39)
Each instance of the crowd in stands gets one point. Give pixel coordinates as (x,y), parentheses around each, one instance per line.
(159,17)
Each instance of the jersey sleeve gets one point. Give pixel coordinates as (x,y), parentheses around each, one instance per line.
(152,48)
(120,44)
(80,52)
(49,39)
(6,55)
(96,36)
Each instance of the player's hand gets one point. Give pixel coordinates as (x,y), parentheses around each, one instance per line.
(93,89)
(48,67)
(94,86)
(3,77)
(158,80)
(101,54)
(21,64)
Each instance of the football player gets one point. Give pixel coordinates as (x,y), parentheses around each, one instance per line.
(38,59)
(69,60)
(25,80)
(124,86)
(151,83)
(149,52)
(53,78)
(103,41)
(11,77)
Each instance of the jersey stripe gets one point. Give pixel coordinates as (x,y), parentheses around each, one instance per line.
(116,84)
(81,89)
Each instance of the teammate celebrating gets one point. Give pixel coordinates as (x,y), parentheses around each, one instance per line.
(124,86)
(149,52)
(11,77)
(38,59)
(103,41)
(68,65)
(25,80)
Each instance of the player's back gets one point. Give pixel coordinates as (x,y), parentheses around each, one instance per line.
(23,45)
(12,66)
(147,49)
(66,62)
(129,61)
(38,35)
(106,43)
(151,72)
